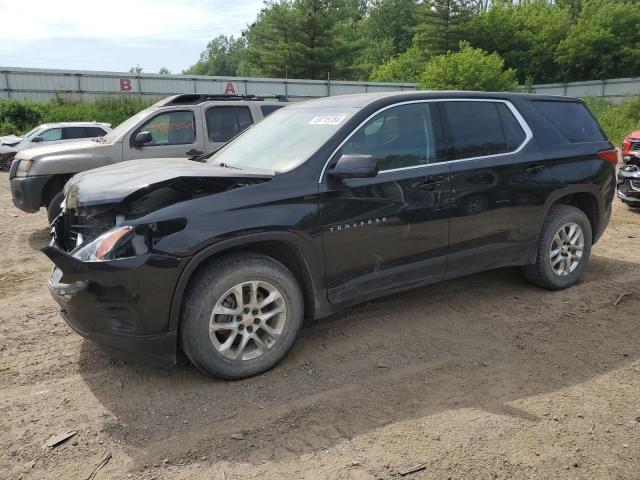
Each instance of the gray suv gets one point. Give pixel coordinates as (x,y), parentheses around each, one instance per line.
(181,126)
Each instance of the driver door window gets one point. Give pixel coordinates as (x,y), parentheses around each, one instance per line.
(171,128)
(399,137)
(51,135)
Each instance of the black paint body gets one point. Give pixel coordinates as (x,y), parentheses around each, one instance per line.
(347,240)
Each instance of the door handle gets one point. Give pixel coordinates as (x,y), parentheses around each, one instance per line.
(535,169)
(193,152)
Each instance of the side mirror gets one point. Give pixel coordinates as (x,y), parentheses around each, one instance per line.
(36,140)
(355,166)
(142,138)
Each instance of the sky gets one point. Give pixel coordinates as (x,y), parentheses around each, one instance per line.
(115,35)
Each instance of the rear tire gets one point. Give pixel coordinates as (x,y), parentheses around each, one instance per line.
(563,249)
(241,315)
(54,209)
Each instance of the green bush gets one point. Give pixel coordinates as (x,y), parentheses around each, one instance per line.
(616,120)
(469,69)
(17,117)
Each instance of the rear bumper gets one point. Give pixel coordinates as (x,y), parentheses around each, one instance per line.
(27,192)
(121,305)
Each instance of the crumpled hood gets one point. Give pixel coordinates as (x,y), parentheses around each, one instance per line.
(111,184)
(10,140)
(71,148)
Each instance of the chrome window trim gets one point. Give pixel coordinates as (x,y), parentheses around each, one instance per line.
(523,124)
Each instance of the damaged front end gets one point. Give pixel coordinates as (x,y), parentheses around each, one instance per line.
(629,181)
(112,279)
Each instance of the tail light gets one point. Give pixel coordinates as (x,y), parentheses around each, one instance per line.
(626,146)
(610,156)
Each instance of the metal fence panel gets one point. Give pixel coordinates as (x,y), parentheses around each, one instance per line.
(43,84)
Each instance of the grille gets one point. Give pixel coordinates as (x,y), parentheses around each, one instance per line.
(5,160)
(634,145)
(635,184)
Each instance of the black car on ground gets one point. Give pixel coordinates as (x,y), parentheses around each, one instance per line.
(322,205)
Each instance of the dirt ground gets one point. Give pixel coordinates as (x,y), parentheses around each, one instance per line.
(481,377)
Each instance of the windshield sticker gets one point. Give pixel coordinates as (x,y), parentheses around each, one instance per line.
(327,120)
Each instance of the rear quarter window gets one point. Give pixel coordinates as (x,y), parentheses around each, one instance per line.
(571,119)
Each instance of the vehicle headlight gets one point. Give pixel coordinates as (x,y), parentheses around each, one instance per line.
(105,246)
(23,168)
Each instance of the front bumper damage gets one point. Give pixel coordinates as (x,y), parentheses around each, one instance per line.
(628,184)
(122,305)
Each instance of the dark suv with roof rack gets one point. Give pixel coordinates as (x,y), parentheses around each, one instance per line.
(322,205)
(180,126)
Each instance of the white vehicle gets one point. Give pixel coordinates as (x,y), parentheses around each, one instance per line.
(48,134)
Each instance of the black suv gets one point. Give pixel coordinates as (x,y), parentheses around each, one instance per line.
(321,205)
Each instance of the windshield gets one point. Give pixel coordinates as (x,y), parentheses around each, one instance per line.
(30,133)
(125,126)
(284,139)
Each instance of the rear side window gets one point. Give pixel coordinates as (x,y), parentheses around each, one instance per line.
(94,131)
(224,123)
(70,133)
(269,109)
(572,119)
(479,129)
(513,133)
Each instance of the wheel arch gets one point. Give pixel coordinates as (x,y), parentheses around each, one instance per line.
(287,248)
(53,186)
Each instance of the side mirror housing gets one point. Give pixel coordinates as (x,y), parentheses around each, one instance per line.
(355,166)
(142,138)
(36,140)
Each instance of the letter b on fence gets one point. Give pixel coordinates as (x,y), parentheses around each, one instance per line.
(125,85)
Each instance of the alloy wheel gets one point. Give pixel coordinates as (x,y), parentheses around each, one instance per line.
(247,320)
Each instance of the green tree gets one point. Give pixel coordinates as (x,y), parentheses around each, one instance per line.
(164,71)
(526,36)
(136,69)
(441,25)
(388,31)
(469,69)
(224,56)
(406,67)
(306,39)
(604,43)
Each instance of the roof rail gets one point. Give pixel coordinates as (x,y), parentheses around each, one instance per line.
(195,98)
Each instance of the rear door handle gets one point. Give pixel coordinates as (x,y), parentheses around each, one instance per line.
(535,169)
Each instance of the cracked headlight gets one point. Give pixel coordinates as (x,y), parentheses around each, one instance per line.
(106,246)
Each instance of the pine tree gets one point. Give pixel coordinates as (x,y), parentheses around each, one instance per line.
(441,25)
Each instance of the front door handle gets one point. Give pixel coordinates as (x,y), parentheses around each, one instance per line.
(535,169)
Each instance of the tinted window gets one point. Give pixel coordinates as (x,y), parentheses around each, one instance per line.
(244,117)
(94,131)
(268,109)
(399,137)
(224,123)
(513,133)
(51,135)
(572,119)
(69,133)
(476,129)
(171,128)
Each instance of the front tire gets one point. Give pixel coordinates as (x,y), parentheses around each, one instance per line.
(241,315)
(563,249)
(54,208)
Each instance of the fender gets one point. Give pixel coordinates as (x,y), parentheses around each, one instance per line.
(305,253)
(591,189)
